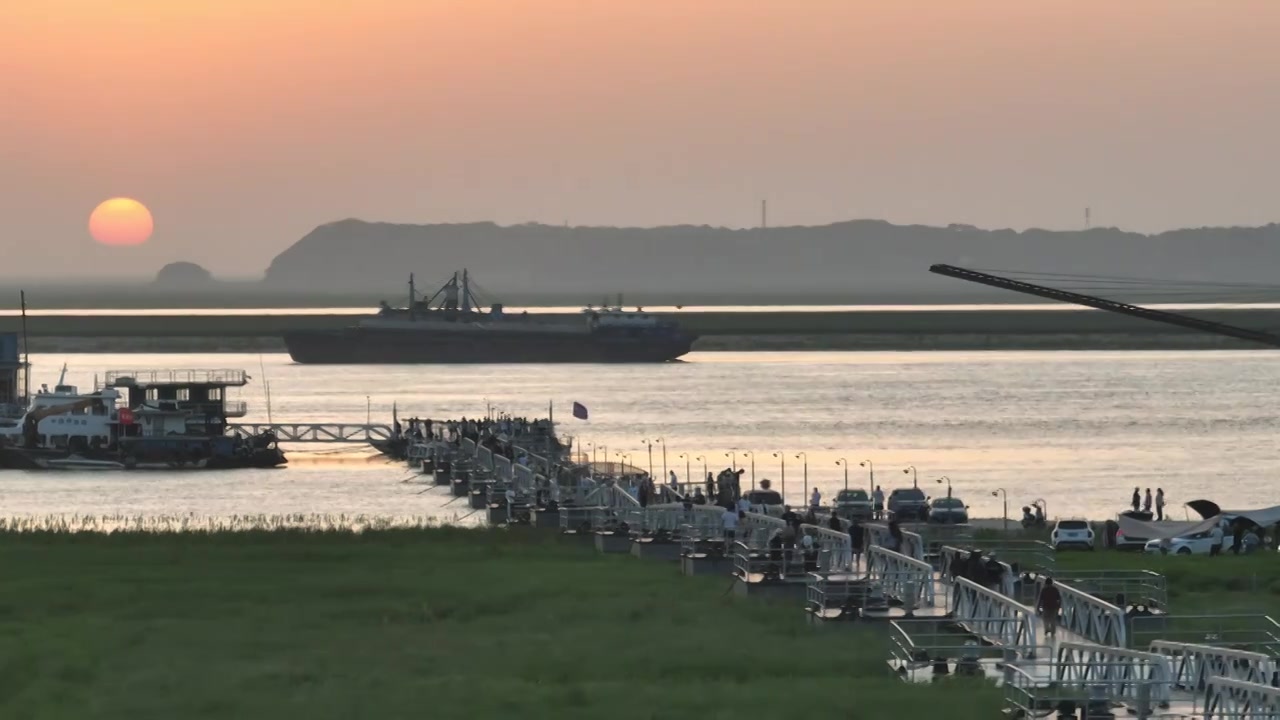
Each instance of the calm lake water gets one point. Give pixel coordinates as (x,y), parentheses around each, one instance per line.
(1079,429)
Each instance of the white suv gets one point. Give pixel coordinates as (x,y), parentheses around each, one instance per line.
(1072,533)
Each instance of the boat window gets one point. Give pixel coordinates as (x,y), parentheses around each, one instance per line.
(184,394)
(215,393)
(153,394)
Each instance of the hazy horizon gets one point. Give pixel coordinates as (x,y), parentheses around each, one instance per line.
(245,124)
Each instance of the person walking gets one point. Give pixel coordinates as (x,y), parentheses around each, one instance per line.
(1049,604)
(1160,504)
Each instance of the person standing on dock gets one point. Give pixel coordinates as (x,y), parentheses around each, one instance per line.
(1049,605)
(878,503)
(815,500)
(1146,502)
(711,485)
(855,542)
(729,521)
(1159,504)
(673,483)
(1137,500)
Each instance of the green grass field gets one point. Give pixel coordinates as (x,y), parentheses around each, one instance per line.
(454,623)
(440,623)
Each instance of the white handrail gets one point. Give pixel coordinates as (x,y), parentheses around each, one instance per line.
(1229,699)
(1194,665)
(905,578)
(998,618)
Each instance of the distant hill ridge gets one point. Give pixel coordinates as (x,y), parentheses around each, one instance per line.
(862,256)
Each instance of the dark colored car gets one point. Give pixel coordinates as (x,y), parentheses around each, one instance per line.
(853,504)
(765,502)
(908,504)
(949,510)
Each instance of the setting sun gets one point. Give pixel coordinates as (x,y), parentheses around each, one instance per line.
(121,221)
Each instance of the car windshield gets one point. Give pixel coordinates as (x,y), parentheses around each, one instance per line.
(764,497)
(852,496)
(1073,525)
(907,494)
(948,503)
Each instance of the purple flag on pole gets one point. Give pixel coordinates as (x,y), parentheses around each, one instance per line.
(580,411)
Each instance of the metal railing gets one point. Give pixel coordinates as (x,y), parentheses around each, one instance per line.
(906,579)
(1120,587)
(829,591)
(912,544)
(166,377)
(1135,675)
(950,565)
(1090,617)
(756,529)
(997,618)
(484,456)
(1228,699)
(1195,665)
(468,447)
(670,517)
(317,432)
(610,495)
(1029,555)
(1258,633)
(502,467)
(750,562)
(833,546)
(920,645)
(1030,694)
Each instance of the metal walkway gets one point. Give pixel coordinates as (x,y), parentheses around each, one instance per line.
(318,432)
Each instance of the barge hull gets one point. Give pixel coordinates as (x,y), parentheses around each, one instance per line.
(371,346)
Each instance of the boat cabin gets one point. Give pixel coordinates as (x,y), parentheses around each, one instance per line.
(178,402)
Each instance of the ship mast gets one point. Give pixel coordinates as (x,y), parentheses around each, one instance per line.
(411,297)
(466,292)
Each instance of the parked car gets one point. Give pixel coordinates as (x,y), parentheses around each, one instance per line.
(908,504)
(1199,543)
(766,502)
(853,504)
(951,510)
(1072,534)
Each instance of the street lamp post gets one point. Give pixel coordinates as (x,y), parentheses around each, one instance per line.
(1002,492)
(871,475)
(733,455)
(783,457)
(752,455)
(948,481)
(688,468)
(368,411)
(805,457)
(663,443)
(649,444)
(915,477)
(844,463)
(705,472)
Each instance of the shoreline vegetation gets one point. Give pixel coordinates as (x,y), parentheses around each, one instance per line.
(871,330)
(325,623)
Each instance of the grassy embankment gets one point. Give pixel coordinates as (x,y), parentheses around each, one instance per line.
(454,623)
(440,623)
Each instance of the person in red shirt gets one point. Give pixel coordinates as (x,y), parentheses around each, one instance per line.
(1049,605)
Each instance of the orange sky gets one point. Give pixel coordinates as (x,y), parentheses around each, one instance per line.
(245,123)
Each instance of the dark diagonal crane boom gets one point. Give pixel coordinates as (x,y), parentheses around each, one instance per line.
(1098,303)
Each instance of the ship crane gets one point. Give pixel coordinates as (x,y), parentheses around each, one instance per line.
(1185,321)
